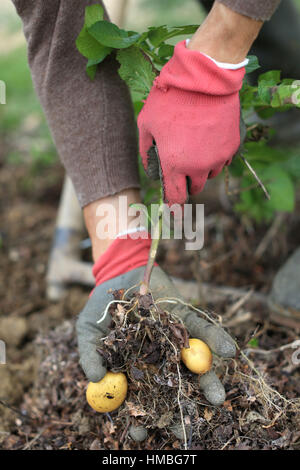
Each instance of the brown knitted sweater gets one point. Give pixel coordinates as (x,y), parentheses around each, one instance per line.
(257,9)
(91,122)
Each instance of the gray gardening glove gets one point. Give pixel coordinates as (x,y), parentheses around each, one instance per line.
(89,332)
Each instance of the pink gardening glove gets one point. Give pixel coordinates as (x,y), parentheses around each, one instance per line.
(192,114)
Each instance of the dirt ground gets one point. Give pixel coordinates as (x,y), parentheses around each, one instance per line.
(42,388)
(42,404)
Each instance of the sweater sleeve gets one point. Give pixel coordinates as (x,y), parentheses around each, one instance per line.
(256,9)
(92,122)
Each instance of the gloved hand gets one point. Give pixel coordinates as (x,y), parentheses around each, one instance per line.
(192,114)
(124,262)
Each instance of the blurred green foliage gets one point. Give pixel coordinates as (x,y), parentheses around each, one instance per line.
(170,12)
(23,126)
(20,97)
(9,21)
(24,132)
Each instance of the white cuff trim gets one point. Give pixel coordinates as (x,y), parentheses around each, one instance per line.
(225,65)
(130,231)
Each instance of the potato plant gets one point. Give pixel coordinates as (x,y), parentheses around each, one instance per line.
(142,55)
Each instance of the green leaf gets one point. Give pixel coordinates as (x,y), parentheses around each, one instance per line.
(108,34)
(160,34)
(280,187)
(184,30)
(136,70)
(261,152)
(253,342)
(137,106)
(247,96)
(264,93)
(152,194)
(292,166)
(157,35)
(93,13)
(265,113)
(89,47)
(166,50)
(278,183)
(282,95)
(289,81)
(91,70)
(252,202)
(253,64)
(237,167)
(85,43)
(270,78)
(91,67)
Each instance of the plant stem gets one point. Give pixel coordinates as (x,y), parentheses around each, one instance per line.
(154,246)
(256,177)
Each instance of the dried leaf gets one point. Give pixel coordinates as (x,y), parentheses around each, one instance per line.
(208,414)
(95,445)
(135,410)
(227,405)
(164,420)
(180,332)
(137,374)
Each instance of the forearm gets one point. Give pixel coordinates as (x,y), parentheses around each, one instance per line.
(106,218)
(225,35)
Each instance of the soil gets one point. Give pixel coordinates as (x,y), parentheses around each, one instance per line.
(42,395)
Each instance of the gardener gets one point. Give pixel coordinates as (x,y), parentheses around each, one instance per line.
(192,114)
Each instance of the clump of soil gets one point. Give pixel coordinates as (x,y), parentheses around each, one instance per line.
(145,343)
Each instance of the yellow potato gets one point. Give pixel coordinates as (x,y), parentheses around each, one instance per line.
(108,394)
(197,357)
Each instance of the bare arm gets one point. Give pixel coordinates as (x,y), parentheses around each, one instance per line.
(226,35)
